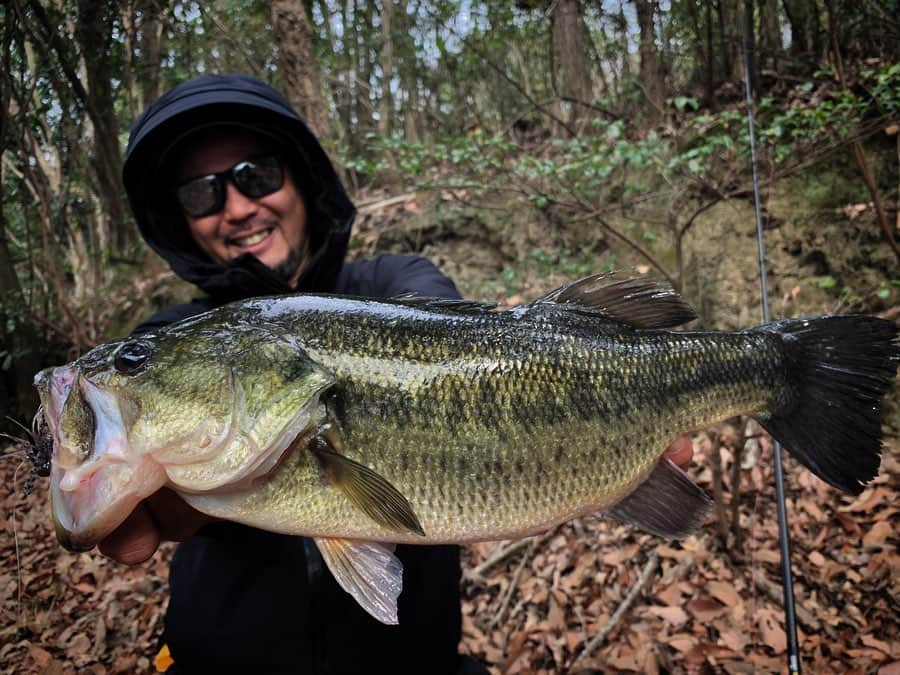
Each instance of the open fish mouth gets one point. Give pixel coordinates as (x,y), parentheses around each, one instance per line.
(94,482)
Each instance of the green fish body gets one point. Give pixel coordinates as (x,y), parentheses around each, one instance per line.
(420,421)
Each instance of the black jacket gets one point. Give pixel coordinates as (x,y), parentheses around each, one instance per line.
(244,600)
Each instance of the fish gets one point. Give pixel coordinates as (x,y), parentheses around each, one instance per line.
(366,423)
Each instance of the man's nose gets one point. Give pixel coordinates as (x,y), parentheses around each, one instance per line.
(238,207)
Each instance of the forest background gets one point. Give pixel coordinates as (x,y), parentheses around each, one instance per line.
(519,145)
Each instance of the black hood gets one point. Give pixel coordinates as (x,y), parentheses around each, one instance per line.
(249,103)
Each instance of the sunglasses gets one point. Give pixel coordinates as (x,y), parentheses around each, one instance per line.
(205,195)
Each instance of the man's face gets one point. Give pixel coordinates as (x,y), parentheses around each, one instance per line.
(272,227)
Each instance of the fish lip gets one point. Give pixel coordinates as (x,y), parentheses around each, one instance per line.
(91,498)
(84,517)
(53,385)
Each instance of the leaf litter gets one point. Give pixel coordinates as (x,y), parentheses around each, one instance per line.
(636,602)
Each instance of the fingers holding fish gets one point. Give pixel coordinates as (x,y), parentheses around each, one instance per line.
(164,516)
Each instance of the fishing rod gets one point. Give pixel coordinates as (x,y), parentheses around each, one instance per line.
(787,580)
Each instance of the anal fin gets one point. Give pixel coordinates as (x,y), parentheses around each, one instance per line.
(368,571)
(667,503)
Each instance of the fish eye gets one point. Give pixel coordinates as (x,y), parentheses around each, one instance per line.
(131,357)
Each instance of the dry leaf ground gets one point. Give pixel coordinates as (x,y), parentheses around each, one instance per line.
(709,606)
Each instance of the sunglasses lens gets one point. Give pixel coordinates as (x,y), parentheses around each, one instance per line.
(258,177)
(254,178)
(201,196)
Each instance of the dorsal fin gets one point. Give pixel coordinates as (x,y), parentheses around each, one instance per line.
(446,304)
(641,303)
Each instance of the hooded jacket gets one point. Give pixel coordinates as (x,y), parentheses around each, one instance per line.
(241,599)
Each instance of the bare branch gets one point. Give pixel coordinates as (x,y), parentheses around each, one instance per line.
(647,573)
(500,553)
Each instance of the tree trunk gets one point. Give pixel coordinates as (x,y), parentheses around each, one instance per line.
(806,38)
(750,32)
(386,107)
(730,36)
(770,45)
(407,66)
(152,28)
(573,75)
(362,22)
(93,32)
(298,65)
(710,61)
(650,74)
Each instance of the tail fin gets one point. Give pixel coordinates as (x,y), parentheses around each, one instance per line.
(839,368)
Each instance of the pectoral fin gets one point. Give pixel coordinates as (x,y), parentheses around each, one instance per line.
(368,571)
(667,503)
(369,491)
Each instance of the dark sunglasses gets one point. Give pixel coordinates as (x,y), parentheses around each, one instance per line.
(254,178)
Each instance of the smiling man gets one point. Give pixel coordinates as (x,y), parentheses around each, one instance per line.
(237,199)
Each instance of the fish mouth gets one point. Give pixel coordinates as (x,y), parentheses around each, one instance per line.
(94,482)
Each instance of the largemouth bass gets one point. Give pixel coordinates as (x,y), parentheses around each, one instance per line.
(363,423)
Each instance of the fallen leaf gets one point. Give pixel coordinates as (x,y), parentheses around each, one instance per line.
(683,643)
(879,533)
(706,609)
(867,654)
(871,641)
(768,556)
(863,503)
(772,632)
(733,640)
(723,592)
(41,657)
(620,555)
(556,617)
(670,595)
(673,553)
(624,659)
(674,615)
(163,660)
(817,559)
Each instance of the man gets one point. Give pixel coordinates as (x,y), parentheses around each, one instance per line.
(231,188)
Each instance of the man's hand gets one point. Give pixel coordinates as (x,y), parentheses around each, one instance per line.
(163,516)
(681,452)
(166,517)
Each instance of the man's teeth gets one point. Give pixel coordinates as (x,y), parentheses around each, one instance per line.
(251,240)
